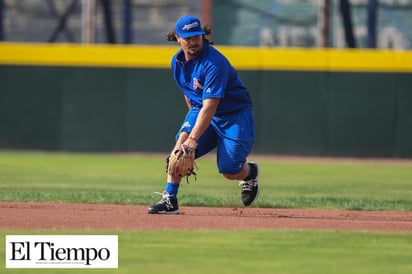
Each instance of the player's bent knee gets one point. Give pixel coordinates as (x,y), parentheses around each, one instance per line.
(232,176)
(232,172)
(229,176)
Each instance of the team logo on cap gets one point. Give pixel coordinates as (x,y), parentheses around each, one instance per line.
(190,26)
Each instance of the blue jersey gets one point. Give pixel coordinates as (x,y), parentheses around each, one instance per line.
(210,75)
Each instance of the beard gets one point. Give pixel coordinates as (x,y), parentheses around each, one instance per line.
(193,52)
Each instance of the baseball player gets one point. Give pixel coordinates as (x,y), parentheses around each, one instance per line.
(220,113)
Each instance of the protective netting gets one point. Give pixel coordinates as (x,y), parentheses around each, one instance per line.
(61,20)
(297,23)
(277,23)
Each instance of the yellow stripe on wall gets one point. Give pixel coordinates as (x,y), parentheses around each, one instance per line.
(241,57)
(320,59)
(86,55)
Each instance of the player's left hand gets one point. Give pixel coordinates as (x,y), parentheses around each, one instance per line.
(181,162)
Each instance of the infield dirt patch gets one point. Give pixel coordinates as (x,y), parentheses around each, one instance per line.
(34,216)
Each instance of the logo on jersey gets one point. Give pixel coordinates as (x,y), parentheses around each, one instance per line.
(190,26)
(196,84)
(186,125)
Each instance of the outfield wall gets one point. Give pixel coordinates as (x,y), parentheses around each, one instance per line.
(123,98)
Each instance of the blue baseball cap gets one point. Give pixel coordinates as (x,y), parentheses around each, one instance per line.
(188,26)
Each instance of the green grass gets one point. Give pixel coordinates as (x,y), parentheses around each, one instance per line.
(131,179)
(273,251)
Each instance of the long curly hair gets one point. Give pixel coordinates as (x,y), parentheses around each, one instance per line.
(171,35)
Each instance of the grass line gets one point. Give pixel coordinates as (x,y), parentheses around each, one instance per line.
(131,179)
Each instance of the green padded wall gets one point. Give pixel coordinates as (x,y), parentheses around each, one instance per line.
(93,109)
(294,108)
(140,109)
(155,109)
(30,104)
(403,117)
(362,114)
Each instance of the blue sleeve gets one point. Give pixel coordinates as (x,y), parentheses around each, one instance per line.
(215,81)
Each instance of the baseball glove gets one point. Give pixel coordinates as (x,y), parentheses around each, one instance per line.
(181,162)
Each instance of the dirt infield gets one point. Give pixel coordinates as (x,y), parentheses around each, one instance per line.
(29,216)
